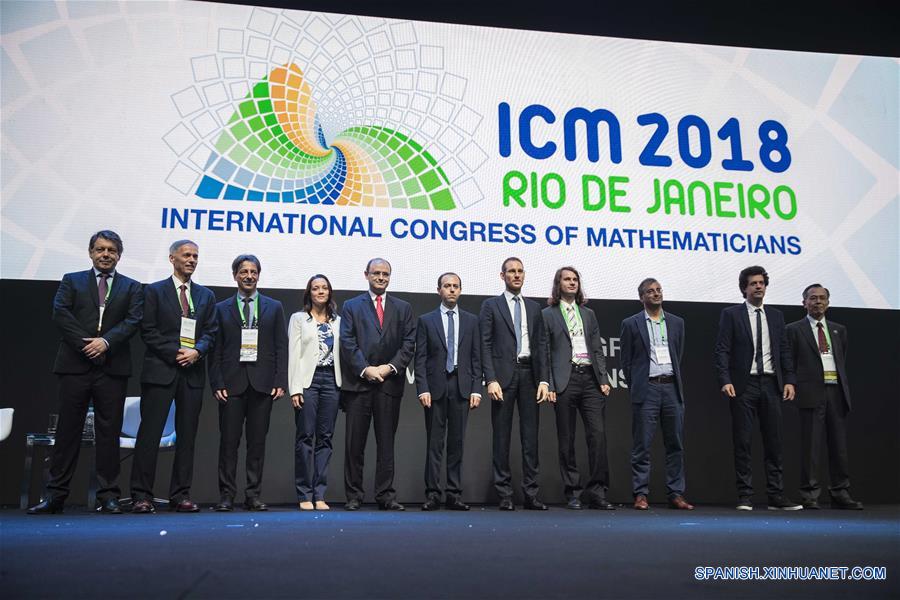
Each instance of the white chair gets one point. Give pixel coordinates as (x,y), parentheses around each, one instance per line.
(131,421)
(6,419)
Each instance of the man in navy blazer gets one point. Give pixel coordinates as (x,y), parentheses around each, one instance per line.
(378,338)
(652,343)
(512,332)
(578,383)
(97,312)
(448,381)
(756,372)
(247,372)
(819,349)
(179,329)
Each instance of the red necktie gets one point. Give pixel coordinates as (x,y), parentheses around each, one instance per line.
(185,308)
(379,311)
(103,288)
(823,342)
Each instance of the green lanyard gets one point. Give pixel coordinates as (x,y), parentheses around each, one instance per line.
(187,292)
(662,330)
(237,299)
(577,316)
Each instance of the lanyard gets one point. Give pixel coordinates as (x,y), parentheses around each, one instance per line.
(580,324)
(187,292)
(255,301)
(662,330)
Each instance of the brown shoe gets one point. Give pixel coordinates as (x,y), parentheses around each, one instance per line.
(185,505)
(142,507)
(680,503)
(640,502)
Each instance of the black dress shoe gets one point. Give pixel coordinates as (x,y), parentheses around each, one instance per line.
(601,504)
(392,505)
(255,504)
(224,505)
(574,504)
(47,507)
(811,505)
(143,507)
(110,506)
(507,504)
(456,504)
(432,503)
(846,503)
(353,504)
(534,504)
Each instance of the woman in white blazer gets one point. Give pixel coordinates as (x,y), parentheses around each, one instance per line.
(314,378)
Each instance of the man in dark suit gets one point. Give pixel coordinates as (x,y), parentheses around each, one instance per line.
(448,380)
(247,372)
(819,350)
(652,345)
(578,383)
(179,329)
(756,372)
(511,355)
(97,312)
(378,338)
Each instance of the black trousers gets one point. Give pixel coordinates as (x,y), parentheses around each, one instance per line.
(155,403)
(362,409)
(446,418)
(829,419)
(253,408)
(761,399)
(75,395)
(520,392)
(583,395)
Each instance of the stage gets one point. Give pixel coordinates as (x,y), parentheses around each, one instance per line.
(479,554)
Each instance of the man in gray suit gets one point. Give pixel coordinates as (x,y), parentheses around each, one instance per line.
(578,383)
(819,350)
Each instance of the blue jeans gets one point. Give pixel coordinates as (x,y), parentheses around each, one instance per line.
(315,428)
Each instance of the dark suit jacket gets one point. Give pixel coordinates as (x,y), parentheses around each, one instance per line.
(808,363)
(364,343)
(498,341)
(431,354)
(76,310)
(161,332)
(558,347)
(270,368)
(635,348)
(734,348)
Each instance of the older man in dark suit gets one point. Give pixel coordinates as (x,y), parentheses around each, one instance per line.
(512,334)
(97,312)
(247,372)
(819,349)
(652,345)
(179,329)
(378,338)
(448,380)
(578,383)
(756,372)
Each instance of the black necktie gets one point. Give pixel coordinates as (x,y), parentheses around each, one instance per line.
(247,322)
(759,348)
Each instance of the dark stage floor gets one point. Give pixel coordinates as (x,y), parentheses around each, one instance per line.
(480,554)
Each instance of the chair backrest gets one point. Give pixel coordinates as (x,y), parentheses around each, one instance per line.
(131,419)
(6,419)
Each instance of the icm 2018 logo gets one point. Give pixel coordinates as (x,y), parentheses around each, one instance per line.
(327,110)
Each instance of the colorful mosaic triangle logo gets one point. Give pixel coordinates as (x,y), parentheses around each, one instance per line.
(273,149)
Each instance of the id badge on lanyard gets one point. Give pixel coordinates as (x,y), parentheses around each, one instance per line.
(829,367)
(249,345)
(188,332)
(662,355)
(579,348)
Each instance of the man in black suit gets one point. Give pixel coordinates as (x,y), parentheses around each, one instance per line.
(823,397)
(578,383)
(511,355)
(756,372)
(247,372)
(652,345)
(179,329)
(448,380)
(378,338)
(97,312)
